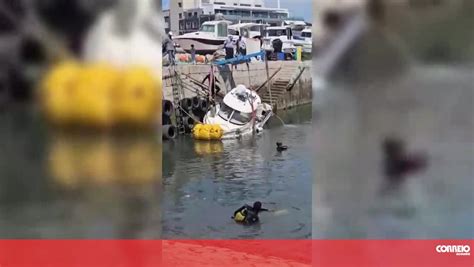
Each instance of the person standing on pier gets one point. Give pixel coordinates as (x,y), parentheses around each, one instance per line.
(170,48)
(229,46)
(242,46)
(193,54)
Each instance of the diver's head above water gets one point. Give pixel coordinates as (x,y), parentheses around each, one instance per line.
(257,205)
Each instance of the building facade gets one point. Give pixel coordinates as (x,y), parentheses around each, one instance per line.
(187,15)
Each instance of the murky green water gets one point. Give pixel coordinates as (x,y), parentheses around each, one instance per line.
(205,182)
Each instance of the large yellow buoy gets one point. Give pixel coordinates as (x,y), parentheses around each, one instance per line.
(95,86)
(58,91)
(216,132)
(207,132)
(100,95)
(138,97)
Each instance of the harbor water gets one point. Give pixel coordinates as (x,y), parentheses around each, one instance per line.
(204,183)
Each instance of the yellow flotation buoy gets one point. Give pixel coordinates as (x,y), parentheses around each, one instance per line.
(93,104)
(101,95)
(207,132)
(138,97)
(58,91)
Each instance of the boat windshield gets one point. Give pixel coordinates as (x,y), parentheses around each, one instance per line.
(225,111)
(233,32)
(234,116)
(240,118)
(276,32)
(256,28)
(207,28)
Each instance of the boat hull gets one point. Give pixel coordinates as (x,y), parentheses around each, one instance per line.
(233,131)
(203,46)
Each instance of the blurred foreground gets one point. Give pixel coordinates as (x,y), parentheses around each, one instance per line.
(77,184)
(410,76)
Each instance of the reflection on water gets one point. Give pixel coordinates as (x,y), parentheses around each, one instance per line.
(204,182)
(76,185)
(76,159)
(431,108)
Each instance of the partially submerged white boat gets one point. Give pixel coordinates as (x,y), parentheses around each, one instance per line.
(241,113)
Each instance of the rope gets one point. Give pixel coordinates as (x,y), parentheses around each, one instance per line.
(191,116)
(254,115)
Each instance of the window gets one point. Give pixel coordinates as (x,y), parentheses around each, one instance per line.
(190,14)
(276,32)
(256,28)
(234,116)
(306,34)
(180,15)
(245,33)
(195,13)
(222,30)
(180,4)
(207,28)
(225,112)
(233,32)
(240,118)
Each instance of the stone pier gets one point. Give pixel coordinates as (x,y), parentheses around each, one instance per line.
(252,77)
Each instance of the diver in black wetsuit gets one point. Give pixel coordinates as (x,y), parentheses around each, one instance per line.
(247,214)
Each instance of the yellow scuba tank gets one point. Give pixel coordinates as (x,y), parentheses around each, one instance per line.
(239,217)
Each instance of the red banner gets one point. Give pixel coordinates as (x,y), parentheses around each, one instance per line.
(324,253)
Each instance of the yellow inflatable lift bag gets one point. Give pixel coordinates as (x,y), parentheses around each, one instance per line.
(207,132)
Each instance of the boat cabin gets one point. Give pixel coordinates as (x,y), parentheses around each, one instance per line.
(247,30)
(216,28)
(238,105)
(276,32)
